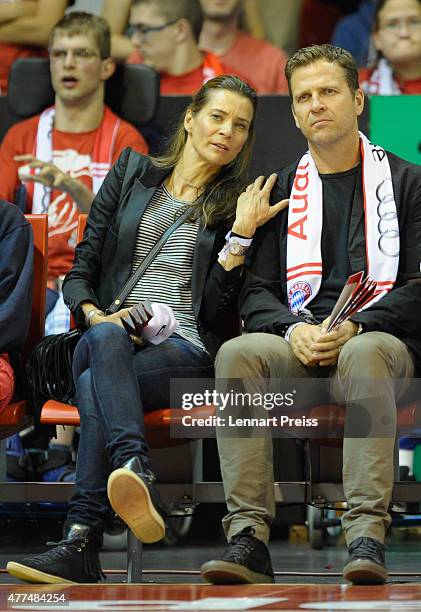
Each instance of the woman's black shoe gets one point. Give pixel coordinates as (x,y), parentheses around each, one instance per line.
(134,498)
(74,559)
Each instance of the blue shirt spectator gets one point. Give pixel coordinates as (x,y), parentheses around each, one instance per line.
(353,31)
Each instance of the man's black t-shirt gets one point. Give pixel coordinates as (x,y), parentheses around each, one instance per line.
(342,198)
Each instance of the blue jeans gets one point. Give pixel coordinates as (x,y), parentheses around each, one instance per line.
(116,381)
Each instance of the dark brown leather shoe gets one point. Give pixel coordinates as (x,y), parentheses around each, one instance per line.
(366,563)
(246,560)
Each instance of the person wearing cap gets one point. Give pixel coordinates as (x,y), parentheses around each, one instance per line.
(192,285)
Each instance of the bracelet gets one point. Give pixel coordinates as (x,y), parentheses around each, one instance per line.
(91,314)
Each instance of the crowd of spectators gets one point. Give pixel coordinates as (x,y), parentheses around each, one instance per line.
(56,155)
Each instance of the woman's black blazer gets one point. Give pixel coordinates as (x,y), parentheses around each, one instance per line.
(104,257)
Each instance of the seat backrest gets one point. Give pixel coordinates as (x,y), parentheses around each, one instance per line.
(132,92)
(39,225)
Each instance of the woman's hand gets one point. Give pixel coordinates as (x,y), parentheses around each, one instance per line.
(253,208)
(115,318)
(112,318)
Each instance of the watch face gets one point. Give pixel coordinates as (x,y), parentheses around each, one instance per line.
(235,248)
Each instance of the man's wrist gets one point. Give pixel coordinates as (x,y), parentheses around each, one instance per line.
(287,335)
(358,327)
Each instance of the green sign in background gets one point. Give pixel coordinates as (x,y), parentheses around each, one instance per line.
(395,124)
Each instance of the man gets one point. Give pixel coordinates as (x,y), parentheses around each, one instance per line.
(397,40)
(165,37)
(70,147)
(16,278)
(259,61)
(352,207)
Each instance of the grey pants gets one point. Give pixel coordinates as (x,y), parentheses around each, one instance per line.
(246,463)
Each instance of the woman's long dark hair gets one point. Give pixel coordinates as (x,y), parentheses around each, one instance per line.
(219,199)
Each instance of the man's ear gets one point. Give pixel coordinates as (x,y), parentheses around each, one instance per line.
(183,30)
(359,101)
(295,117)
(108,68)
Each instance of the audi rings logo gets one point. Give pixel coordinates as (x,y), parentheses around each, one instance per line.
(388,225)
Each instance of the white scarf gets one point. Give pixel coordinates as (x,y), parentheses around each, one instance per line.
(381,81)
(305,220)
(101,159)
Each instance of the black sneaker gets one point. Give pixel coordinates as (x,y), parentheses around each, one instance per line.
(74,559)
(365,563)
(134,498)
(246,560)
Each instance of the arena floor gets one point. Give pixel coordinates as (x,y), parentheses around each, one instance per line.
(306,579)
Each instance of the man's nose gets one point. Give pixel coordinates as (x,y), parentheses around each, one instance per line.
(316,103)
(403,29)
(69,59)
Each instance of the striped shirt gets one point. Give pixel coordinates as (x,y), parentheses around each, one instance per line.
(168,278)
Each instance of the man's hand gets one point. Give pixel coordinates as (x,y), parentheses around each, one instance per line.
(328,346)
(51,176)
(302,339)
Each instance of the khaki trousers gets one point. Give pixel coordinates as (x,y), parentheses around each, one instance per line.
(246,463)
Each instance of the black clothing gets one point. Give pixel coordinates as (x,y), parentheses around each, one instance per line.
(16,277)
(103,259)
(263,299)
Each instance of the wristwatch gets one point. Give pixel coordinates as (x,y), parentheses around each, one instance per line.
(235,248)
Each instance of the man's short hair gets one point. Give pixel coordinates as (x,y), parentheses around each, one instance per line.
(79,22)
(173,10)
(327,53)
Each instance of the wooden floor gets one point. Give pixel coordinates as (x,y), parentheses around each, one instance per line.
(186,597)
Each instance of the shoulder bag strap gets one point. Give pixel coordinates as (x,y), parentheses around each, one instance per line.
(141,269)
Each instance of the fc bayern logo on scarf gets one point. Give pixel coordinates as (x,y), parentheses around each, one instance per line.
(297,295)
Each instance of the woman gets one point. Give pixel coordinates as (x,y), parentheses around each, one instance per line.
(397,40)
(197,273)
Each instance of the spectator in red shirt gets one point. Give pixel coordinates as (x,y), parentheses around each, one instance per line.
(397,39)
(70,146)
(165,37)
(258,60)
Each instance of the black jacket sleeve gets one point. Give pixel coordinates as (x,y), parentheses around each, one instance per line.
(221,293)
(84,277)
(16,277)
